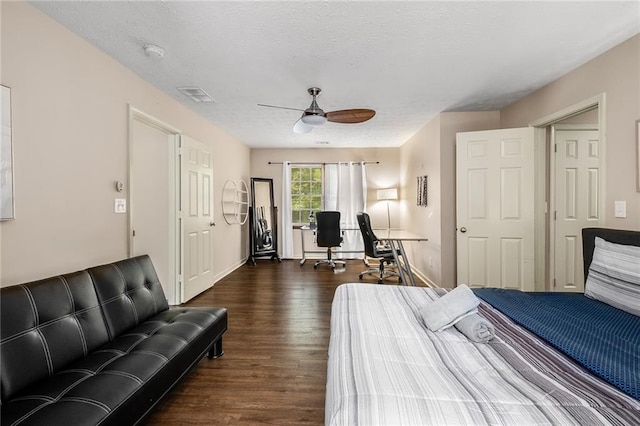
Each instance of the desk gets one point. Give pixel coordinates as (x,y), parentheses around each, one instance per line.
(305,228)
(395,240)
(395,237)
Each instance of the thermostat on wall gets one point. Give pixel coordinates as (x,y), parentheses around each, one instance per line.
(120,205)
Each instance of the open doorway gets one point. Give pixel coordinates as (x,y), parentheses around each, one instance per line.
(154,200)
(570,191)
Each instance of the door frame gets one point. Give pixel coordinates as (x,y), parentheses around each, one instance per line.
(544,184)
(175,268)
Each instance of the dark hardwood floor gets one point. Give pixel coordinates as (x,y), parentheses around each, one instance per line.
(274,367)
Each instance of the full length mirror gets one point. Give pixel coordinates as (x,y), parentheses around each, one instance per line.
(263,217)
(264,221)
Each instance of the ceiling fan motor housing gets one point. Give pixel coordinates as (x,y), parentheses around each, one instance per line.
(314,115)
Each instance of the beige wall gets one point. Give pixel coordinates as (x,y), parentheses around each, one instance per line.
(617,74)
(431,151)
(383,175)
(70,105)
(420,156)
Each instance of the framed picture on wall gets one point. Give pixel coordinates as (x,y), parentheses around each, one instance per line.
(638,154)
(422,191)
(7,209)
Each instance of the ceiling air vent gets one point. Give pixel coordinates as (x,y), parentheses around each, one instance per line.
(196,94)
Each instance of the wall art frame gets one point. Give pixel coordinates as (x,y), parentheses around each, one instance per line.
(638,155)
(422,195)
(7,187)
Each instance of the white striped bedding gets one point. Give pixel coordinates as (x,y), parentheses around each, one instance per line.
(386,368)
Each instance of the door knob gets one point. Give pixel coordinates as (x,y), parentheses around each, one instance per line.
(212,224)
(463,229)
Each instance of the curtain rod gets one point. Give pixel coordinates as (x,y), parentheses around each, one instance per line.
(323,163)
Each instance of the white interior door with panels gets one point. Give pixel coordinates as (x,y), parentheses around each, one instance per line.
(495,208)
(197,217)
(576,192)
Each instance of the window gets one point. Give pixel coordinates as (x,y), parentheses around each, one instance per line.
(306,192)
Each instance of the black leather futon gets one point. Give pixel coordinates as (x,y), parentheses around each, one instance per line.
(99,346)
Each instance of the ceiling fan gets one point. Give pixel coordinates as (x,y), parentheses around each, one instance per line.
(315,116)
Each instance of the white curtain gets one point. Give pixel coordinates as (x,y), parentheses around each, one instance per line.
(346,191)
(287,225)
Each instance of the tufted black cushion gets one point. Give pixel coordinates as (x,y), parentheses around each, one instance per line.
(129,292)
(46,325)
(97,346)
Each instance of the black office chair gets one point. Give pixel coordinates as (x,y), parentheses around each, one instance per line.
(328,235)
(374,248)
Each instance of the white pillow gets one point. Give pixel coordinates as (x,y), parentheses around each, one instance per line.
(614,276)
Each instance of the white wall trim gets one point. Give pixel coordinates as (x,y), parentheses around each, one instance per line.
(572,110)
(229,270)
(575,126)
(424,278)
(541,207)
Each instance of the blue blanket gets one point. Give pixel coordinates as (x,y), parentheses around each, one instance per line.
(603,339)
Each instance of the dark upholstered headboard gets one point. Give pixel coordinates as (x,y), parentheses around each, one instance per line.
(618,236)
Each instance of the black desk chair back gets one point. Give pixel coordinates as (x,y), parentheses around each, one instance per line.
(373,248)
(329,235)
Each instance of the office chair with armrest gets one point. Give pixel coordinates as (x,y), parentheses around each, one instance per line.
(373,248)
(328,235)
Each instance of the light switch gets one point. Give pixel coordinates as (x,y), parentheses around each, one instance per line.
(620,208)
(120,205)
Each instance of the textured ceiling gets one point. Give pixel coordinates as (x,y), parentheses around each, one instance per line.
(407,60)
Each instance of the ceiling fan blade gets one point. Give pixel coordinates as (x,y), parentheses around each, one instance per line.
(280,107)
(350,116)
(301,127)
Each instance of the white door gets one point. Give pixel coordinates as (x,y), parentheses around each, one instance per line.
(153,201)
(197,217)
(495,208)
(576,199)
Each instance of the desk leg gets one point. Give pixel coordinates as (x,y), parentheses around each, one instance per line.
(407,265)
(303,250)
(396,258)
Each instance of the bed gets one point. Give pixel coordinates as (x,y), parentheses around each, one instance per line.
(556,359)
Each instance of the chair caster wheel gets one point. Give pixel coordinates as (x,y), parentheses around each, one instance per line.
(315,266)
(360,276)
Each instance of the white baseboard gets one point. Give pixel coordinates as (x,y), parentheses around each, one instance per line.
(418,273)
(229,270)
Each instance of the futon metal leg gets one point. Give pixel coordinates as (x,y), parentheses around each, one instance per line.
(216,350)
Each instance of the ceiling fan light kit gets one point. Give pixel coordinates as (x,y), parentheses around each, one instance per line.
(313,119)
(301,127)
(315,116)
